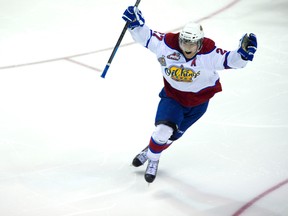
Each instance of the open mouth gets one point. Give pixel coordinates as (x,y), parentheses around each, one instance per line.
(188,53)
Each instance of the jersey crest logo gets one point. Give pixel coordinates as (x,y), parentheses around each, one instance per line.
(162,61)
(174,56)
(182,74)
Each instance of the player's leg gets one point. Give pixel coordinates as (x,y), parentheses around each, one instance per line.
(159,141)
(167,121)
(165,134)
(191,115)
(169,115)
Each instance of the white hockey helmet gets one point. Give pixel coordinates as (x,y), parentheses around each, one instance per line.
(192,33)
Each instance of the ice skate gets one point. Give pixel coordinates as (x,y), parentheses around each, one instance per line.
(141,158)
(151,171)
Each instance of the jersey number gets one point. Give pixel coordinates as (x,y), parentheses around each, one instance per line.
(158,35)
(221,51)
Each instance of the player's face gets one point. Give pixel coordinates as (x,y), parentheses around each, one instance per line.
(189,48)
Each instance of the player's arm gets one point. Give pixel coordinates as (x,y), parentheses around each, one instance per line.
(237,58)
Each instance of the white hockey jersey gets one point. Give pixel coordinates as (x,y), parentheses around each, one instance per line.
(189,81)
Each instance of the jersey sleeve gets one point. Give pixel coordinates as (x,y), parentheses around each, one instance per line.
(222,59)
(141,35)
(147,37)
(234,60)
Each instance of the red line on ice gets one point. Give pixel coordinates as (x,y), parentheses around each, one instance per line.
(260,196)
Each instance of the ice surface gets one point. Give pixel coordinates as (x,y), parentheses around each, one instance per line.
(67,136)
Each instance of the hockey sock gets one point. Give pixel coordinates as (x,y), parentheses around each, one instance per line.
(155,149)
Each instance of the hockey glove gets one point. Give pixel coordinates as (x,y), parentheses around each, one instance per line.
(248,46)
(133,15)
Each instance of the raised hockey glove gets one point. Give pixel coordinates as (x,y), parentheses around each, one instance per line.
(248,46)
(133,15)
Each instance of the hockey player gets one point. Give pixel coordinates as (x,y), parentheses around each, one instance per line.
(189,63)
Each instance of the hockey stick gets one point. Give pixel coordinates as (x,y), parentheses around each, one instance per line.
(117,45)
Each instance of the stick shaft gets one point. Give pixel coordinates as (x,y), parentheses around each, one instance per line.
(117,45)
